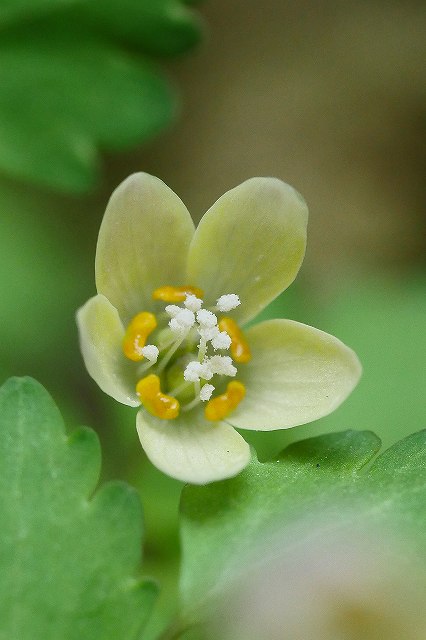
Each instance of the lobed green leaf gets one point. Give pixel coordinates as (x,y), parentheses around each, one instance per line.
(67,558)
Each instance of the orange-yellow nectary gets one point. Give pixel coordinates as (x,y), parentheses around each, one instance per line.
(176,294)
(157,403)
(221,406)
(137,333)
(240,350)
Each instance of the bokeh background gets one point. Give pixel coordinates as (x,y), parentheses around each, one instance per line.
(329,97)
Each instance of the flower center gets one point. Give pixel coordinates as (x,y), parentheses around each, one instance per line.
(176,351)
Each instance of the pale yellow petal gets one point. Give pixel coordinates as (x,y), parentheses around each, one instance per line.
(191,449)
(251,242)
(101,336)
(297,374)
(143,243)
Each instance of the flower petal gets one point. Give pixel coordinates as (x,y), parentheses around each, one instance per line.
(191,449)
(297,374)
(101,335)
(143,243)
(251,242)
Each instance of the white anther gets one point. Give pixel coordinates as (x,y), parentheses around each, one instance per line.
(206,318)
(150,352)
(176,327)
(192,302)
(206,392)
(182,322)
(222,365)
(195,370)
(221,341)
(186,318)
(208,333)
(172,310)
(228,301)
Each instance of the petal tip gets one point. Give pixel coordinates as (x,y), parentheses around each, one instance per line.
(271,185)
(195,452)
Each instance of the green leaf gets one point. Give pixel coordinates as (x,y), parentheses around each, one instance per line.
(61,98)
(322,475)
(74,82)
(67,557)
(159,27)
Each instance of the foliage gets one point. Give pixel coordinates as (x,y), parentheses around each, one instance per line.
(62,62)
(67,557)
(319,475)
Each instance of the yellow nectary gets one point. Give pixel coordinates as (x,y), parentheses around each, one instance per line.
(221,406)
(157,403)
(176,294)
(240,350)
(137,332)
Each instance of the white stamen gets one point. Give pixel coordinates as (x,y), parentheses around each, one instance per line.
(222,365)
(228,302)
(206,318)
(186,318)
(172,310)
(176,327)
(195,370)
(206,392)
(182,322)
(192,302)
(208,333)
(150,352)
(221,341)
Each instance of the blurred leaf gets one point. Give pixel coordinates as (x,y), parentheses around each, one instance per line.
(61,97)
(69,89)
(44,261)
(222,522)
(66,557)
(155,26)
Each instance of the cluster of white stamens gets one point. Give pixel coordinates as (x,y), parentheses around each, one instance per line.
(193,317)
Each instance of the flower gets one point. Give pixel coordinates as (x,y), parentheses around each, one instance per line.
(166,329)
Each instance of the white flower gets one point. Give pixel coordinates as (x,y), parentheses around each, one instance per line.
(149,260)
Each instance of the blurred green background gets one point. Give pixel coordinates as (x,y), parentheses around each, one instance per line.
(329,97)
